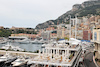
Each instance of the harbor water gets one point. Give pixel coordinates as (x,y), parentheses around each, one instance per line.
(27,47)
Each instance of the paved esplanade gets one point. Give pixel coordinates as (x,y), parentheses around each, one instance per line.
(88,60)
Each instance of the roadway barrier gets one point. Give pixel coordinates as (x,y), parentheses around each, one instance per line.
(95,62)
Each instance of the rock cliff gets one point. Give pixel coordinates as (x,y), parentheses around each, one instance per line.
(87,7)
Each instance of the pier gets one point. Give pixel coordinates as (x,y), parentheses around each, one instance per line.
(17,53)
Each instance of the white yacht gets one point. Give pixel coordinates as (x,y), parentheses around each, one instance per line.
(38,40)
(3,58)
(43,46)
(23,40)
(59,55)
(6,57)
(19,62)
(3,40)
(34,41)
(11,47)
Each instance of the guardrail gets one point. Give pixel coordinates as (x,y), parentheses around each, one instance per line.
(95,62)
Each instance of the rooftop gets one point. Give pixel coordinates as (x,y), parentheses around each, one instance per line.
(60,54)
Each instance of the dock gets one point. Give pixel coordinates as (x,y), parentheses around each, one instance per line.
(17,53)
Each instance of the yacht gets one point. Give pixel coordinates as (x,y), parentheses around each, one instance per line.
(3,58)
(34,41)
(38,40)
(22,40)
(59,55)
(3,40)
(8,63)
(6,59)
(11,47)
(19,62)
(43,46)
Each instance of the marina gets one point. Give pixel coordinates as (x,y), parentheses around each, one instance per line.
(70,40)
(27,47)
(18,60)
(57,54)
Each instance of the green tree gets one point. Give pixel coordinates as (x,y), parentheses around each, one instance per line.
(57,39)
(66,38)
(5,33)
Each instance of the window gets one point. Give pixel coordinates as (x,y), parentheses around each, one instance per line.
(95,36)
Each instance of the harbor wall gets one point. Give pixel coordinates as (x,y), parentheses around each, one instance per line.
(17,53)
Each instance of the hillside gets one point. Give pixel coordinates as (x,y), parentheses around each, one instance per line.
(84,9)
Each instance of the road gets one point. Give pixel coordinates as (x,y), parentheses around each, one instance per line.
(88,60)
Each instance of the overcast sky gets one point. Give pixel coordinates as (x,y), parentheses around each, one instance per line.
(29,13)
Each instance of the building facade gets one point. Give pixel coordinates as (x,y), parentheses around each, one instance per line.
(46,35)
(61,32)
(73,21)
(31,36)
(87,35)
(96,40)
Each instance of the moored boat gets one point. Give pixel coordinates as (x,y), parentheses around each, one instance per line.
(6,59)
(11,47)
(3,40)
(19,62)
(21,40)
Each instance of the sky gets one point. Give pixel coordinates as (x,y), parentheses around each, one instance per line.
(29,13)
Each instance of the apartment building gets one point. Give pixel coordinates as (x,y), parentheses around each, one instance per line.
(87,35)
(96,40)
(61,32)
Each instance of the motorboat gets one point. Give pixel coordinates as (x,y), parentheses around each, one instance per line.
(41,41)
(19,62)
(10,61)
(3,40)
(37,41)
(21,39)
(3,58)
(6,59)
(11,47)
(6,47)
(34,41)
(43,46)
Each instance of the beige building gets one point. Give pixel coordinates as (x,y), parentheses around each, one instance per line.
(53,34)
(32,36)
(61,32)
(96,40)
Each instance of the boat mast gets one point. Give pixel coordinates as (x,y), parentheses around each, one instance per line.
(75,26)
